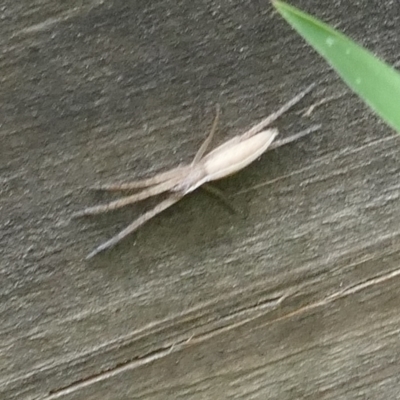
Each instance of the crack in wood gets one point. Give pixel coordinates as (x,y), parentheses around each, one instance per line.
(258,310)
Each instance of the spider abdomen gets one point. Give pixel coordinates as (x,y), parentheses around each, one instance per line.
(234,155)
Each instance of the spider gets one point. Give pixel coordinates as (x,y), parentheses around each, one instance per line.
(226,159)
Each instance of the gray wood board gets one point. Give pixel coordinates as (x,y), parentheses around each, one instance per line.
(297,297)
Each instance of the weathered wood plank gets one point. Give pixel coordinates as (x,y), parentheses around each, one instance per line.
(295,299)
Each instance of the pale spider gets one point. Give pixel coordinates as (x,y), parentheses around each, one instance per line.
(225,160)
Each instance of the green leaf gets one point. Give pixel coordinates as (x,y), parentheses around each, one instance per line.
(377,83)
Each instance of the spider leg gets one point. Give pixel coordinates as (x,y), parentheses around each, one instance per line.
(163,176)
(272,117)
(219,195)
(124,201)
(136,224)
(203,148)
(294,137)
(143,183)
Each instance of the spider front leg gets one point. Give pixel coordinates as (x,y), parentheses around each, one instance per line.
(114,205)
(136,224)
(143,183)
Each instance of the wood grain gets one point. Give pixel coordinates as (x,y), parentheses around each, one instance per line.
(295,299)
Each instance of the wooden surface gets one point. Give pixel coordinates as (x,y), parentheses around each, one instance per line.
(295,299)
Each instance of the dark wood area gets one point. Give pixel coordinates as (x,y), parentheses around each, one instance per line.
(297,297)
